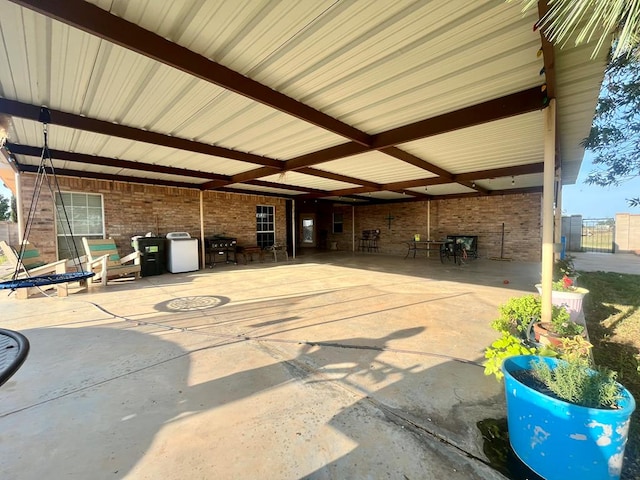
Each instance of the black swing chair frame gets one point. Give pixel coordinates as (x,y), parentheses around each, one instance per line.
(46,171)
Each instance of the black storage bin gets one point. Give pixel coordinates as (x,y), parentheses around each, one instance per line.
(151,255)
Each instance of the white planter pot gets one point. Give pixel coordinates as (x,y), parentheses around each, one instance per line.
(571,300)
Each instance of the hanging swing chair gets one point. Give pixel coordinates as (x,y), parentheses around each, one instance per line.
(46,174)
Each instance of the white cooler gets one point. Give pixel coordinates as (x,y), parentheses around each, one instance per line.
(182,252)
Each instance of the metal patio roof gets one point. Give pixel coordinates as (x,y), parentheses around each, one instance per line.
(353,100)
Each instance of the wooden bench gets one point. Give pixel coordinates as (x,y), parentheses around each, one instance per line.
(31,265)
(104,260)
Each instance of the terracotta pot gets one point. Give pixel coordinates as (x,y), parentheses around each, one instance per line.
(544,335)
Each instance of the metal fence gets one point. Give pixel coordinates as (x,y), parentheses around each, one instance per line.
(598,235)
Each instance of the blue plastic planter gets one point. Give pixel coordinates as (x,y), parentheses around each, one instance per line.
(559,440)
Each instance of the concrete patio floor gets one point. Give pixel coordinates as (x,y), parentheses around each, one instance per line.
(332,365)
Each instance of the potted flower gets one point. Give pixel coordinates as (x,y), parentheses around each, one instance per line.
(560,327)
(517,318)
(565,293)
(564,267)
(565,419)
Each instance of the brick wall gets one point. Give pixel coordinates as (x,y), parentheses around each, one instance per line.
(481,216)
(133,209)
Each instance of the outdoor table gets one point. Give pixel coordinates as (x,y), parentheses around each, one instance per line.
(14,348)
(427,246)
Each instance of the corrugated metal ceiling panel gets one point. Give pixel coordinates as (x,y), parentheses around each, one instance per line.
(99,169)
(375,167)
(375,65)
(444,189)
(577,80)
(124,87)
(373,70)
(67,139)
(255,188)
(308,181)
(513,141)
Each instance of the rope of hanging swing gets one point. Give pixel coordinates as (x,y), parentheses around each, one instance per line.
(46,175)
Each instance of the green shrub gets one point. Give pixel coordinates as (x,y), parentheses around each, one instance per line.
(517,314)
(506,346)
(575,382)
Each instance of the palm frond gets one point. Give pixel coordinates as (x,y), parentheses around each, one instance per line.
(610,22)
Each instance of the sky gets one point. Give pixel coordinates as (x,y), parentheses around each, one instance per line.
(592,201)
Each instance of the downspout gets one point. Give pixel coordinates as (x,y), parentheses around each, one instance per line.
(547,207)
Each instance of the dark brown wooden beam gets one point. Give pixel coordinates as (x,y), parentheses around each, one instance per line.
(513,191)
(64,119)
(416,161)
(253,192)
(475,187)
(96,21)
(548,54)
(336,176)
(508,106)
(107,176)
(321,156)
(352,191)
(112,162)
(284,186)
(501,172)
(422,182)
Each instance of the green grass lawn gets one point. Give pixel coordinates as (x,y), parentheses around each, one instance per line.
(612,311)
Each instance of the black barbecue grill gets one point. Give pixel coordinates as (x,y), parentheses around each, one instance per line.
(221,249)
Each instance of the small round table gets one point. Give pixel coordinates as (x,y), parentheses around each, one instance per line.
(14,348)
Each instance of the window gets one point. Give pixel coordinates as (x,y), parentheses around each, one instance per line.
(85,217)
(338,220)
(265,226)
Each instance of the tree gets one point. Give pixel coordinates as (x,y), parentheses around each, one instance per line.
(14,209)
(5,208)
(615,132)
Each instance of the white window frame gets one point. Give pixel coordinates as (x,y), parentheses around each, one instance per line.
(273,231)
(72,210)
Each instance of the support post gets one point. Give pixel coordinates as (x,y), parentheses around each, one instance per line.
(353,228)
(202,245)
(547,207)
(293,227)
(558,209)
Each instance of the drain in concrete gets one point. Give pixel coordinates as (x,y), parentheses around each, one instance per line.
(190,304)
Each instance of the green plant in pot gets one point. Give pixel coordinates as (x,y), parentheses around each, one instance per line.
(560,327)
(566,418)
(564,267)
(565,293)
(517,318)
(514,322)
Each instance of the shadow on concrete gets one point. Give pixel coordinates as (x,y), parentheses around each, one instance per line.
(94,400)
